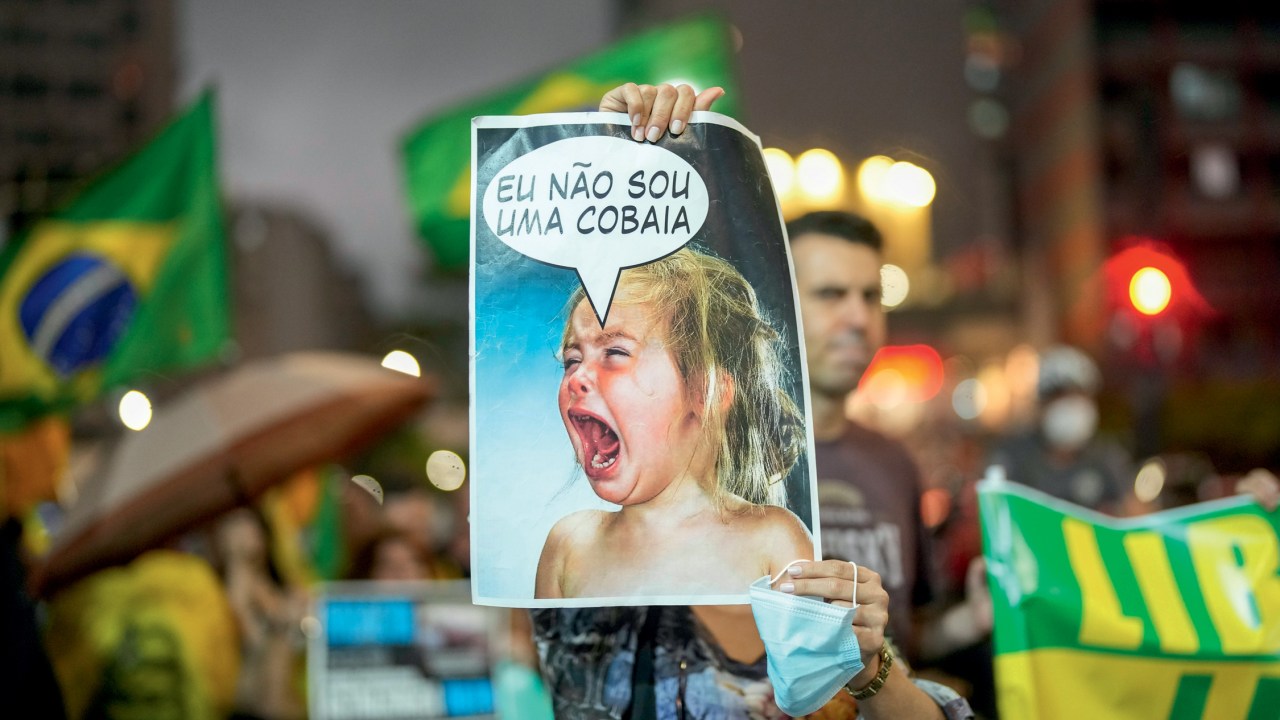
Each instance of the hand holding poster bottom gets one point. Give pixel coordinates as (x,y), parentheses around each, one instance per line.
(566,204)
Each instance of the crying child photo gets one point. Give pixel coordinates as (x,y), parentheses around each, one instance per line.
(639,413)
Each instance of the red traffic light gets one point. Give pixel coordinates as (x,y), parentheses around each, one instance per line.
(1151,280)
(1150,290)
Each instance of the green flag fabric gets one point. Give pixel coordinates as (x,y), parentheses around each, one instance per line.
(1169,616)
(437,154)
(128,279)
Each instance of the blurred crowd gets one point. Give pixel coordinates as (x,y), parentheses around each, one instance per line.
(213,624)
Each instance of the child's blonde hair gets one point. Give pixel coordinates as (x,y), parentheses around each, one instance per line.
(715,331)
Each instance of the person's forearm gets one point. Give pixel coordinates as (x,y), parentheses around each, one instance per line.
(954,629)
(900,699)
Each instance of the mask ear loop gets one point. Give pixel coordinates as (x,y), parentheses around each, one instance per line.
(784,570)
(853,596)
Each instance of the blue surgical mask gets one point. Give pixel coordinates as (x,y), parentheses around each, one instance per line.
(809,644)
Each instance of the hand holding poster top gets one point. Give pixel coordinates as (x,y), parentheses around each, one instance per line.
(660,328)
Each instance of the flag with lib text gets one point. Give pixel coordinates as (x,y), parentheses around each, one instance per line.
(437,153)
(1167,616)
(128,279)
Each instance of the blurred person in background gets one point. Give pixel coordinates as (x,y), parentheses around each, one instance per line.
(268,616)
(869,486)
(1063,455)
(1262,484)
(391,554)
(154,640)
(425,520)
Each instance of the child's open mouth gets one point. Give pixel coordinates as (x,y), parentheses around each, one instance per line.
(599,443)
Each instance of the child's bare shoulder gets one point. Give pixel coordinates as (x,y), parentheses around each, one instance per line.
(561,551)
(576,529)
(776,526)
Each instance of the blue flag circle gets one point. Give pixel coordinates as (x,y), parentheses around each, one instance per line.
(77,311)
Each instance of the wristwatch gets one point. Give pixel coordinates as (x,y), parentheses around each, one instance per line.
(877,682)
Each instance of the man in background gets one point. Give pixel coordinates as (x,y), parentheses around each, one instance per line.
(868,485)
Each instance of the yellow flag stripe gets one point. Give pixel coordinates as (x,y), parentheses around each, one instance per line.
(1072,684)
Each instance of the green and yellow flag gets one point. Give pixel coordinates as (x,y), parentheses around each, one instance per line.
(1170,616)
(130,278)
(437,154)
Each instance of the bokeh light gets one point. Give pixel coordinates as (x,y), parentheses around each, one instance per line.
(902,374)
(369,484)
(894,285)
(135,410)
(446,470)
(401,361)
(997,397)
(782,170)
(988,118)
(908,184)
(969,399)
(887,389)
(819,174)
(935,506)
(871,176)
(1149,481)
(1150,291)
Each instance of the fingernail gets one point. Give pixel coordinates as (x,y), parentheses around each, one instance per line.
(794,570)
(677,126)
(635,120)
(787,587)
(655,132)
(637,134)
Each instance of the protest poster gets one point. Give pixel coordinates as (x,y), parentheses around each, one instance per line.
(639,408)
(1170,615)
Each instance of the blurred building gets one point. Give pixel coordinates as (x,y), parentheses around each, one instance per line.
(1155,124)
(1152,119)
(85,82)
(1189,98)
(290,291)
(82,82)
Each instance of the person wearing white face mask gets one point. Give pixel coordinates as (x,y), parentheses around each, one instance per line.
(1063,455)
(823,653)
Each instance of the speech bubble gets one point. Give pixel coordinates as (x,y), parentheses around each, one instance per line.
(597,205)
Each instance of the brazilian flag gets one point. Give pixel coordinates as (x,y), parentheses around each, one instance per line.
(128,279)
(1169,616)
(437,155)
